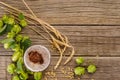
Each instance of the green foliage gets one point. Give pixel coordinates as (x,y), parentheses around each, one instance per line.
(9,27)
(11,68)
(21,16)
(16,29)
(8,42)
(91,68)
(19,38)
(38,75)
(11,21)
(11,35)
(26,42)
(23,23)
(79,71)
(6,45)
(18,44)
(16,47)
(8,19)
(6,28)
(3,29)
(19,65)
(5,18)
(29,72)
(16,56)
(23,76)
(20,70)
(79,60)
(15,77)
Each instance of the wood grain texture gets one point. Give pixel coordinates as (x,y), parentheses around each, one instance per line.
(87,40)
(107,68)
(102,12)
(92,26)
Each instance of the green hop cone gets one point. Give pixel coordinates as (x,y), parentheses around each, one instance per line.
(7,42)
(16,56)
(25,38)
(79,60)
(20,66)
(1,24)
(38,75)
(16,29)
(15,77)
(79,71)
(19,38)
(29,72)
(5,18)
(16,47)
(23,76)
(11,68)
(11,35)
(11,21)
(23,23)
(91,68)
(6,45)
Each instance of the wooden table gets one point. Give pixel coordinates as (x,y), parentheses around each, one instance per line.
(93,28)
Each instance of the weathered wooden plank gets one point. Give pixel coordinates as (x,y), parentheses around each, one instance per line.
(107,68)
(74,11)
(87,40)
(3,66)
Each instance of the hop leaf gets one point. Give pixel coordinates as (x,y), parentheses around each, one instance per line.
(15,47)
(21,16)
(26,42)
(3,29)
(8,42)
